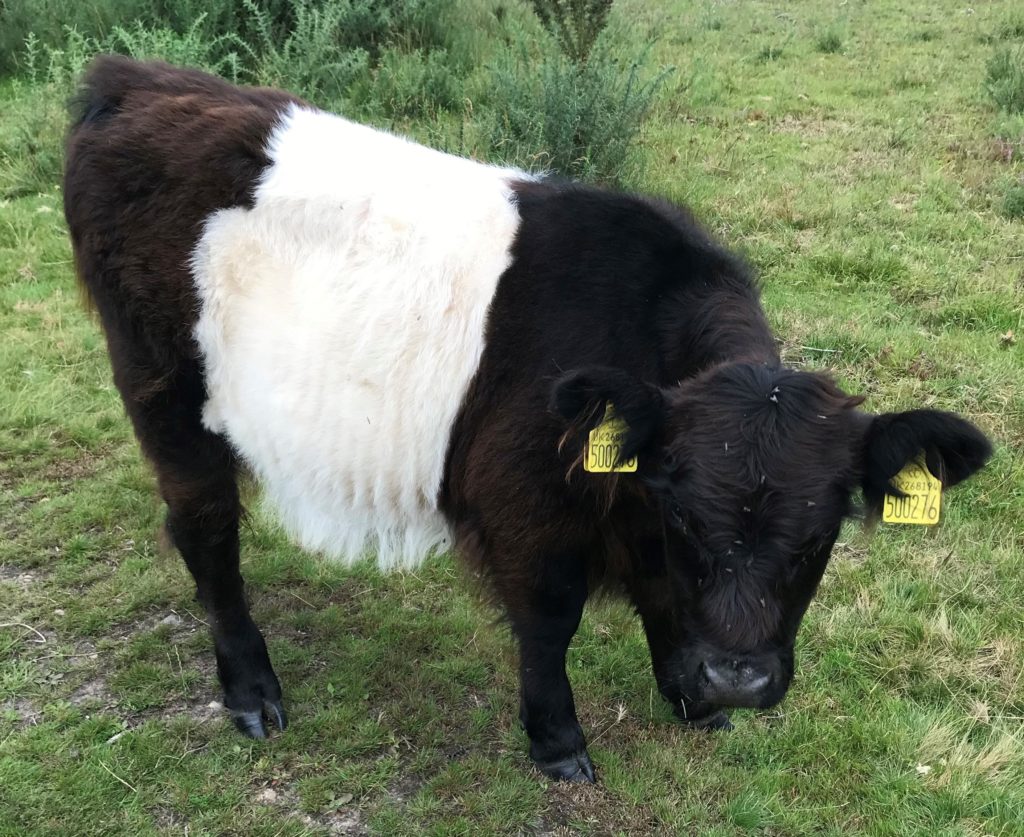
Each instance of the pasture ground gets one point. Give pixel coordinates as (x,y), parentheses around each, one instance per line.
(850,150)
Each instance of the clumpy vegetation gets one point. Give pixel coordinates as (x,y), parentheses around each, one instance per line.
(829,41)
(877,188)
(1013,202)
(1005,78)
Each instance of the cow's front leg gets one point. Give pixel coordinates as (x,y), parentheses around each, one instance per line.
(545,617)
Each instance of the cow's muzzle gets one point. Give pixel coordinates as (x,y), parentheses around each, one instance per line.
(753,682)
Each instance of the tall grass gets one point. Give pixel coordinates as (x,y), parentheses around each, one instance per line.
(1004,79)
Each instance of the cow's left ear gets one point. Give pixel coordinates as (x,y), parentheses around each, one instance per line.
(580,396)
(953,447)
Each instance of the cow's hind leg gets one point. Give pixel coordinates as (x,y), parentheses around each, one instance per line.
(202,520)
(196,471)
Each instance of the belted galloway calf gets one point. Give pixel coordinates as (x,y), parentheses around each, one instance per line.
(409,351)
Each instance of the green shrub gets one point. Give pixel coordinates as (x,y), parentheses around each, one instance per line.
(55,22)
(575,24)
(410,85)
(1005,79)
(224,55)
(315,59)
(580,120)
(50,21)
(368,25)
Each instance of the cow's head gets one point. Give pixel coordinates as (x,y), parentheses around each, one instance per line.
(752,469)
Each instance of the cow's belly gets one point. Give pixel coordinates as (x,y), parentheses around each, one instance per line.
(339,338)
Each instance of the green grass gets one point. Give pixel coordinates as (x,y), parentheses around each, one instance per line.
(871,186)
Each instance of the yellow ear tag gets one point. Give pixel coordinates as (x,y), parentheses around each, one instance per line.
(605,445)
(923,497)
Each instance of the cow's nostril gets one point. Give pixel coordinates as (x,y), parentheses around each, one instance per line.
(717,679)
(757,682)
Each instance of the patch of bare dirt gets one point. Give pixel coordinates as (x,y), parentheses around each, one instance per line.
(82,670)
(404,787)
(23,712)
(21,577)
(572,805)
(93,694)
(340,818)
(348,821)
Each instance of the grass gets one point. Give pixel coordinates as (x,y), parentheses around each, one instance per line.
(897,264)
(1005,81)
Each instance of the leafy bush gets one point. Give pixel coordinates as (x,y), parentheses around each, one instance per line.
(410,85)
(386,56)
(368,25)
(315,58)
(575,24)
(32,131)
(223,54)
(1005,79)
(397,61)
(580,120)
(50,21)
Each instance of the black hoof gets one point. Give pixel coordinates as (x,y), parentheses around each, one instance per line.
(575,768)
(250,722)
(712,722)
(274,712)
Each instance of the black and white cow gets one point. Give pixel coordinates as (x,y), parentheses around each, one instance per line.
(408,350)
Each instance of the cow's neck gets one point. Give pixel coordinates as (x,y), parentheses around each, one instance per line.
(717,324)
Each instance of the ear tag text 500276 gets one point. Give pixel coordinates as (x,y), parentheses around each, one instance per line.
(923,496)
(605,446)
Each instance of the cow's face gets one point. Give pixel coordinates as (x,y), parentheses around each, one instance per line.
(751,470)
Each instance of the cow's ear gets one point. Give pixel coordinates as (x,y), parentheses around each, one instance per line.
(954,448)
(580,397)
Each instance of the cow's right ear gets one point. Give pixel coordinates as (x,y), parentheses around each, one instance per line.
(580,397)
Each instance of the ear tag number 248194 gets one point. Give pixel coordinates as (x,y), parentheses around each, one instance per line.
(605,445)
(922,500)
